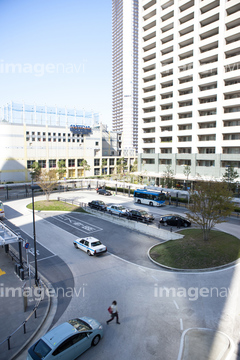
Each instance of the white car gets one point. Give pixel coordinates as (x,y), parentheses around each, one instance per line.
(90,245)
(117,210)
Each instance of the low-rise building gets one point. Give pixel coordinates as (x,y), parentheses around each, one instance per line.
(47,135)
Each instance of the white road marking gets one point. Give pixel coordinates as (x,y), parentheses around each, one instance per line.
(89,227)
(176,304)
(181,325)
(48,257)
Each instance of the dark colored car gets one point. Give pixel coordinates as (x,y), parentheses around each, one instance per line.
(98,205)
(175,220)
(104,192)
(140,215)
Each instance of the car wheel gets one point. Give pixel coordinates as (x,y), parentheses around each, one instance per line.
(110,212)
(185,225)
(75,245)
(139,201)
(151,204)
(96,340)
(88,252)
(165,223)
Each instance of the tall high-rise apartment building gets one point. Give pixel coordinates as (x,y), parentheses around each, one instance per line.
(125,71)
(189,87)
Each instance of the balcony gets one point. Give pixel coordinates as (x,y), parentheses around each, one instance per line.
(148,4)
(208,18)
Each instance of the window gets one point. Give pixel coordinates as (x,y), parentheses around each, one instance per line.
(96,162)
(71,162)
(148,161)
(42,163)
(96,143)
(52,163)
(29,163)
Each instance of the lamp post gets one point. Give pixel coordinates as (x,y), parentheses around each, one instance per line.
(33,187)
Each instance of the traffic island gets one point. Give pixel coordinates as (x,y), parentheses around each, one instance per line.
(192,253)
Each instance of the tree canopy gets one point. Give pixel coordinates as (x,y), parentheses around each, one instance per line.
(86,166)
(35,170)
(168,177)
(210,205)
(61,169)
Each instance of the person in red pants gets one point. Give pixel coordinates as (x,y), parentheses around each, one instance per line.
(114,313)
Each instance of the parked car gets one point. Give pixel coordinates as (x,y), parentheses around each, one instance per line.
(2,213)
(174,220)
(104,192)
(68,340)
(140,215)
(97,204)
(90,245)
(117,210)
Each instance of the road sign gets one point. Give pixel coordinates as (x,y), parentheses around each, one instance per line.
(27,245)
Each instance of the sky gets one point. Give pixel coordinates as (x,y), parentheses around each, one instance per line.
(57,52)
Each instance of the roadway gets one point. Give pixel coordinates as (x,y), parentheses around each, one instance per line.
(152,320)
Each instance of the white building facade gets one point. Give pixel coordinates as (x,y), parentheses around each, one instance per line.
(125,71)
(189,112)
(47,135)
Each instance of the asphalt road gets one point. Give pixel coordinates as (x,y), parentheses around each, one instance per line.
(155,306)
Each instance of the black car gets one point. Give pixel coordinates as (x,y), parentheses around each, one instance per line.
(174,220)
(104,192)
(98,205)
(140,215)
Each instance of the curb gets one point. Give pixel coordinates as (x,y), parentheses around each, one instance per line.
(224,353)
(236,262)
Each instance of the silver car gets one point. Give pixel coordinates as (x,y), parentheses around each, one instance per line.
(117,210)
(68,340)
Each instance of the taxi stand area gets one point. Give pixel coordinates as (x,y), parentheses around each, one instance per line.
(7,237)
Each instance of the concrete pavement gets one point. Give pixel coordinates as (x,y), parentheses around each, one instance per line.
(12,312)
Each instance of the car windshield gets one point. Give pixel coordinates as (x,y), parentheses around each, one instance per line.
(101,202)
(41,349)
(121,208)
(79,324)
(96,243)
(143,212)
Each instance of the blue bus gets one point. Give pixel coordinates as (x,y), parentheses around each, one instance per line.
(149,197)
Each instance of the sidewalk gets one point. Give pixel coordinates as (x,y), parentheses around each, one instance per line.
(12,313)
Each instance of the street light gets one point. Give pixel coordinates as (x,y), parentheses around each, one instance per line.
(33,187)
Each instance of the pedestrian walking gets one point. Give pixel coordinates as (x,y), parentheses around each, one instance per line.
(114,312)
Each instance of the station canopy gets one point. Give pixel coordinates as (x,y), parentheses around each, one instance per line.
(7,236)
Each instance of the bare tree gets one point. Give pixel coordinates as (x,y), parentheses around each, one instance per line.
(47,181)
(211,203)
